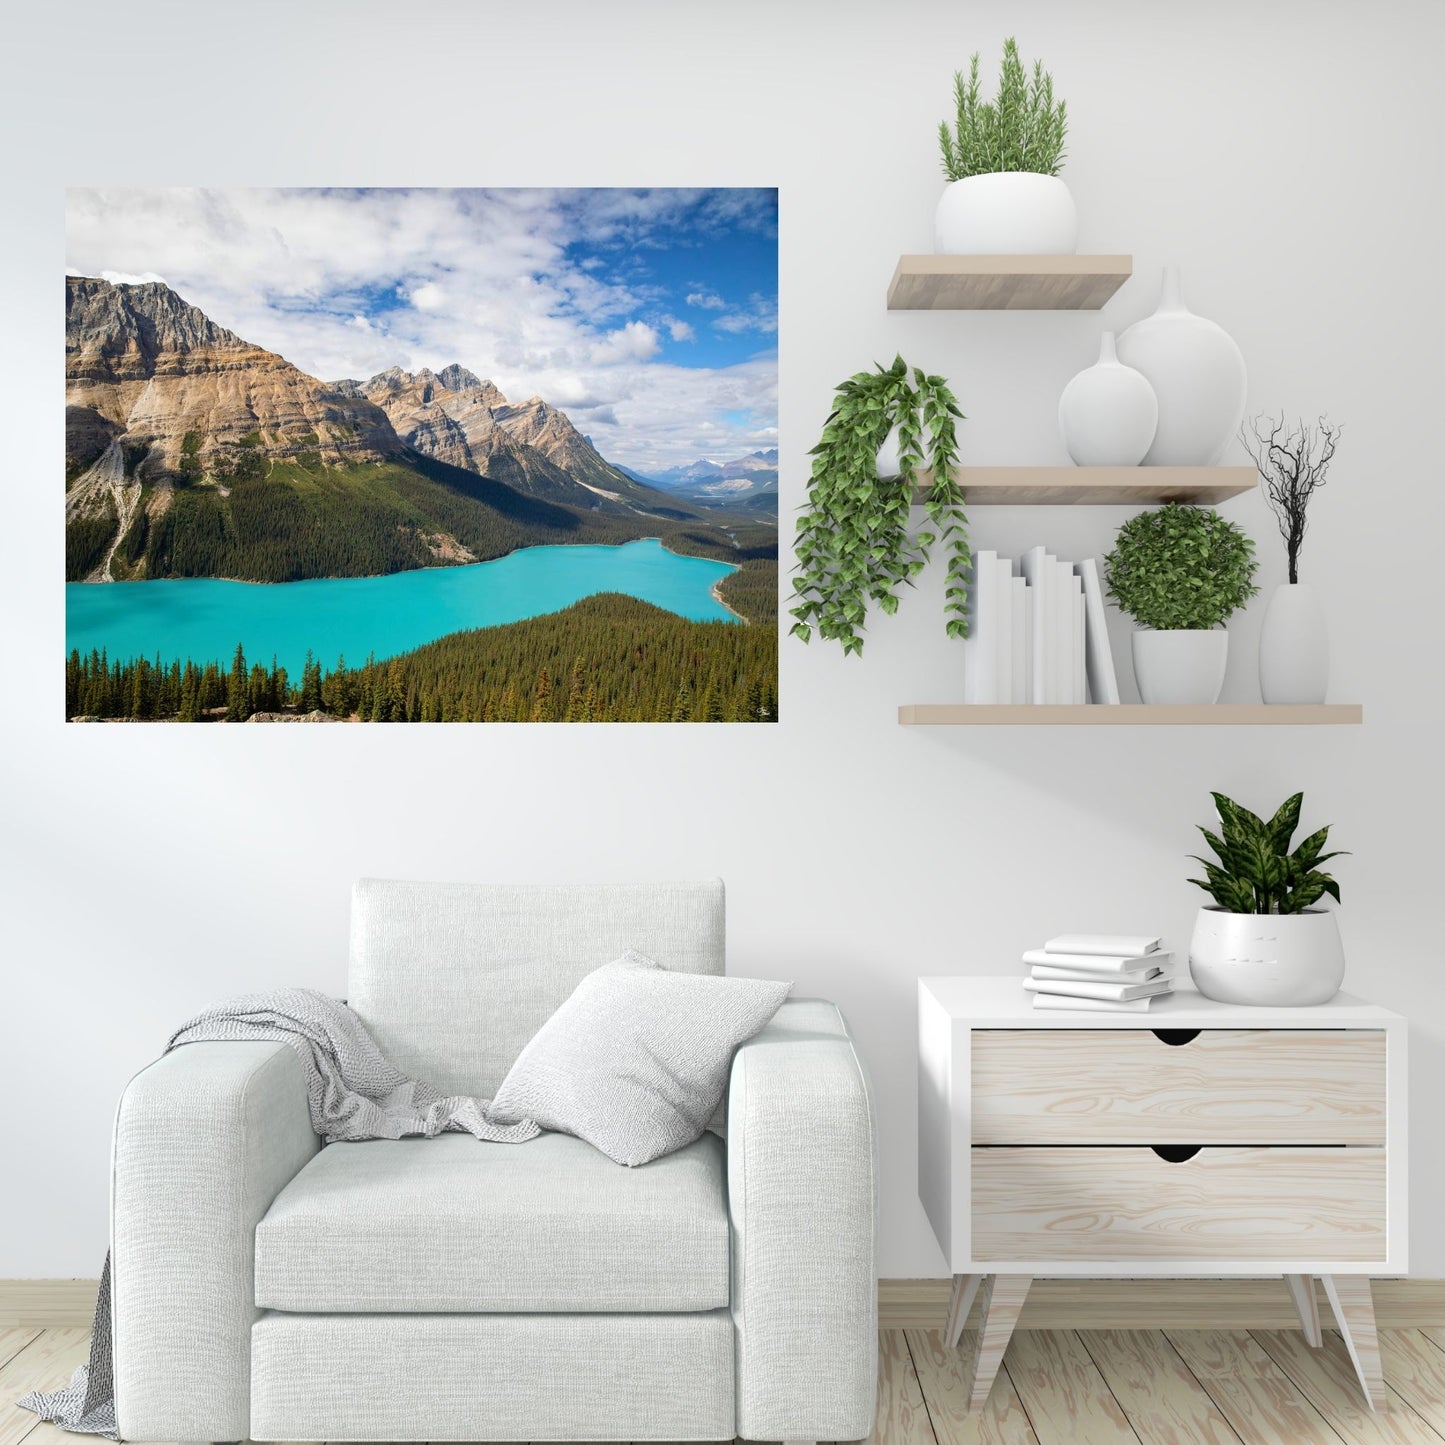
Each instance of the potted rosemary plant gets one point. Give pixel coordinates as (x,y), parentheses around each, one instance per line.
(1263,941)
(1002,159)
(1180,572)
(853,546)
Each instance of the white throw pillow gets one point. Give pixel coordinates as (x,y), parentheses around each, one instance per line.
(636,1061)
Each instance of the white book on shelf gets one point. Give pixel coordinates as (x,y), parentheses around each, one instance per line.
(1080,684)
(1061,632)
(1099,988)
(1090,975)
(980,648)
(1106,965)
(1034,566)
(1099,656)
(1004,673)
(1093,1005)
(1111,945)
(1019,636)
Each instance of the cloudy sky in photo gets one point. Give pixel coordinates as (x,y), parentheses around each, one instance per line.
(649,316)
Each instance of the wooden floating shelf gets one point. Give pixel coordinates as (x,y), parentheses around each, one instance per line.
(1127,714)
(1099,486)
(1006,283)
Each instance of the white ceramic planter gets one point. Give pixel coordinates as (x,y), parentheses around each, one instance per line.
(1198,376)
(1008,213)
(1181,666)
(1294,646)
(889,462)
(1108,413)
(1279,960)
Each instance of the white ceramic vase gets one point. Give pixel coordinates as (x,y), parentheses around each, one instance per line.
(1180,665)
(1198,377)
(1270,960)
(1108,413)
(889,462)
(1294,646)
(1007,213)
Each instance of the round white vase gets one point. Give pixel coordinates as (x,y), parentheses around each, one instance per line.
(889,461)
(1270,960)
(1180,665)
(1198,376)
(1017,213)
(1294,646)
(1108,413)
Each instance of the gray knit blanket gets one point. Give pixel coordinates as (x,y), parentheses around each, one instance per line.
(352,1092)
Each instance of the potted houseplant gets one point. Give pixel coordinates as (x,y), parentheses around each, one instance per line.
(853,544)
(1180,572)
(1294,644)
(1002,159)
(1262,942)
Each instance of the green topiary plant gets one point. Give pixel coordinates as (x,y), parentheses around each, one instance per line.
(1256,872)
(853,544)
(1180,567)
(1021,129)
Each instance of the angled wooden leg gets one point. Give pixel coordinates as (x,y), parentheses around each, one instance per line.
(1307,1306)
(965,1287)
(1003,1299)
(1354,1307)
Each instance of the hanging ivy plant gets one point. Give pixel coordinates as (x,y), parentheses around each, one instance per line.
(853,544)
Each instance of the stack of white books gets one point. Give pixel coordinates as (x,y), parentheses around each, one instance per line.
(1037,632)
(1104,972)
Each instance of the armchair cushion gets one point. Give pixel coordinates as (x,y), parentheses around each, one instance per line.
(450,1225)
(637,1058)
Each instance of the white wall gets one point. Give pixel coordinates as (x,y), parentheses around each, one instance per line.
(1284,155)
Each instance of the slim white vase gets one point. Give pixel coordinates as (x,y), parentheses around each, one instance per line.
(1294,646)
(1108,412)
(1198,376)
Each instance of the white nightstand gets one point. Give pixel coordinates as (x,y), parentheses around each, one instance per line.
(1195,1139)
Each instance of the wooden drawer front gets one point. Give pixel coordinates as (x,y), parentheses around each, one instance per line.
(1225,1086)
(1238,1204)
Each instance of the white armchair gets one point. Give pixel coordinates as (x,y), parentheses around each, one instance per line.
(443,1289)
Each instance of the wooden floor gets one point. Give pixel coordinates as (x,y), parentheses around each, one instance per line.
(1057,1387)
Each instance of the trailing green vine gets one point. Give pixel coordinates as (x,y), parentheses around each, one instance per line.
(853,544)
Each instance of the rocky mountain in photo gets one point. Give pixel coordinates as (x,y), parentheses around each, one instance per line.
(750,481)
(453,415)
(147,370)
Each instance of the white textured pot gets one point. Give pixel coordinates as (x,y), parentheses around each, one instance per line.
(1008,213)
(889,462)
(1108,413)
(1184,665)
(1279,960)
(1294,646)
(1198,377)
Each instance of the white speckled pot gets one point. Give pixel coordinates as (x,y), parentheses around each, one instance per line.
(1272,960)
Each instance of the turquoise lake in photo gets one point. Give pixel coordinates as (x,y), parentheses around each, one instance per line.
(204,619)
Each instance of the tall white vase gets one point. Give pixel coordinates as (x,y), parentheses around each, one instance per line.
(1108,413)
(1294,646)
(1198,377)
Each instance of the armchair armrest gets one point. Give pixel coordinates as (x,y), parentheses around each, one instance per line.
(802,1196)
(205,1138)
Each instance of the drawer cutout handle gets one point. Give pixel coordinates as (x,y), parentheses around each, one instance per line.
(1176,1153)
(1175,1037)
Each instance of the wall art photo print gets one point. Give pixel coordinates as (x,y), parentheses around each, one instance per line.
(421,455)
